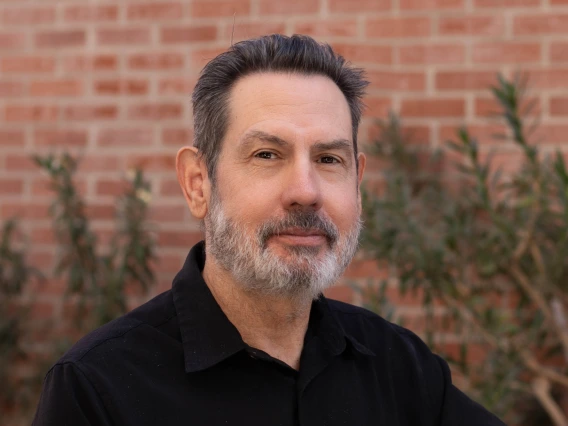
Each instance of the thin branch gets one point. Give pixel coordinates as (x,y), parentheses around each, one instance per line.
(541,388)
(531,362)
(539,300)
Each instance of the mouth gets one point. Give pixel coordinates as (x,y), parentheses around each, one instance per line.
(302,237)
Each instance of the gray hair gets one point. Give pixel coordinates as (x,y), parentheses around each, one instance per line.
(272,53)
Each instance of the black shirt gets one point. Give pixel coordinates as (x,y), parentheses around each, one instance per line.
(178,360)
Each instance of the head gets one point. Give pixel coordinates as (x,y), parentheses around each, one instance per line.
(275,169)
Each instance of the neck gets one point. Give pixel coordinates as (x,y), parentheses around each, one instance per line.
(275,325)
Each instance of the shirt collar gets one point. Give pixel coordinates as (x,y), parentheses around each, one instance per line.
(208,337)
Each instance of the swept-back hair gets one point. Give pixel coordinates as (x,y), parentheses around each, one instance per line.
(272,53)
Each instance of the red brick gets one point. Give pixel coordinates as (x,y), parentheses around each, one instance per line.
(472,25)
(554,23)
(240,32)
(558,2)
(364,53)
(126,137)
(67,38)
(398,27)
(290,7)
(377,107)
(60,137)
(183,239)
(12,40)
(12,137)
(28,16)
(327,28)
(343,293)
(112,187)
(431,4)
(188,34)
(49,286)
(24,210)
(42,186)
(170,188)
(40,311)
(90,63)
(432,108)
(219,8)
(154,162)
(397,80)
(490,106)
(465,80)
(506,3)
(11,186)
(84,112)
(559,51)
(484,133)
(156,61)
(164,213)
(112,36)
(176,86)
(27,64)
(18,162)
(168,263)
(100,211)
(548,78)
(121,87)
(31,113)
(155,11)
(558,106)
(11,88)
(425,54)
(499,52)
(359,5)
(486,107)
(162,111)
(99,163)
(91,13)
(550,134)
(56,88)
(200,58)
(177,136)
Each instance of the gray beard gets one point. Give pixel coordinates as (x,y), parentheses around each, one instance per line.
(302,276)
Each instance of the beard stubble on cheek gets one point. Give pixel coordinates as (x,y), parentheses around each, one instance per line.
(302,272)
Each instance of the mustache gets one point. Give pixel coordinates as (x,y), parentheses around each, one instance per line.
(302,219)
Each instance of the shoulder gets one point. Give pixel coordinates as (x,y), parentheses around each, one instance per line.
(399,353)
(387,339)
(147,322)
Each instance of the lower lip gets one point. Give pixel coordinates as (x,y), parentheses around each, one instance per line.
(301,240)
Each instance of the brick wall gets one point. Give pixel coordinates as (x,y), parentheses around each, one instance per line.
(110,80)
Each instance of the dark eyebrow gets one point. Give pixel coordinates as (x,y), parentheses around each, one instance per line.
(254,135)
(337,144)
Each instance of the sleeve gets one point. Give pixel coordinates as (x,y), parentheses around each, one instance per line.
(69,398)
(448,406)
(458,409)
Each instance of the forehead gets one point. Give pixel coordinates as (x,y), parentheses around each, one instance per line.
(301,105)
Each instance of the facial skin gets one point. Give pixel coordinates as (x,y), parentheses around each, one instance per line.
(283,217)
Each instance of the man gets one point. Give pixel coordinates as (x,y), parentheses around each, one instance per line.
(244,337)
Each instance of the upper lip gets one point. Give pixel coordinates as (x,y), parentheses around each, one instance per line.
(302,232)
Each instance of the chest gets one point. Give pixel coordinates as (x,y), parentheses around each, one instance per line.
(254,392)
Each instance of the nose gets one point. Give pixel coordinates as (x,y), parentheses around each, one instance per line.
(302,187)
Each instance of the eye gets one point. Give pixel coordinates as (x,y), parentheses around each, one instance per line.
(327,159)
(265,155)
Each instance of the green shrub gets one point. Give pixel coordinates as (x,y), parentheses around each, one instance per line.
(489,247)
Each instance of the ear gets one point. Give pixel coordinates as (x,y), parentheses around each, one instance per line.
(362,162)
(194,181)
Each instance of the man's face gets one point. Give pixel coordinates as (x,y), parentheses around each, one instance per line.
(283,218)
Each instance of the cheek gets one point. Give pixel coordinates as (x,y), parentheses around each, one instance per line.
(343,209)
(248,200)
